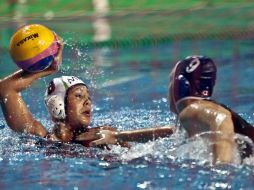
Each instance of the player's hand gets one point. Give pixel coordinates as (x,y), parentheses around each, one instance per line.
(88,136)
(55,66)
(105,137)
(93,133)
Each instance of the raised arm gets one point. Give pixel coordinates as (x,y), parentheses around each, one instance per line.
(140,135)
(18,116)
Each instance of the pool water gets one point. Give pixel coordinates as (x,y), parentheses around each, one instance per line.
(129,87)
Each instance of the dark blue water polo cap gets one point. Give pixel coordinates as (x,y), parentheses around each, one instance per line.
(193,76)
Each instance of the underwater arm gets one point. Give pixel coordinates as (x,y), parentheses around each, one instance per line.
(140,135)
(17,115)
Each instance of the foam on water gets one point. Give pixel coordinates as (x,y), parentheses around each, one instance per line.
(173,161)
(79,63)
(175,147)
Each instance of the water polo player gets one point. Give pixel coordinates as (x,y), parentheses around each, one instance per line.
(67,99)
(38,52)
(68,102)
(191,86)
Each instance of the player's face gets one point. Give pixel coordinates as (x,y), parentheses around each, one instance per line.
(78,107)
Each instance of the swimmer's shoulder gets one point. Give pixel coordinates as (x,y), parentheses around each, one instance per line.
(217,107)
(210,105)
(203,109)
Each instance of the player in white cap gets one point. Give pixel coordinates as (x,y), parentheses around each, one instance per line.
(68,101)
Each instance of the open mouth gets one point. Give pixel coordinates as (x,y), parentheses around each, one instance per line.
(87,113)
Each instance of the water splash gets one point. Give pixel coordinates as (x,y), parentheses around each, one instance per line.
(175,147)
(78,62)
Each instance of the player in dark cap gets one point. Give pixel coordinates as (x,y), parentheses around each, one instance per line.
(191,86)
(190,89)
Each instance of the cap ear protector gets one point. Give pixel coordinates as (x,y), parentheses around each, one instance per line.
(55,107)
(56,93)
(184,86)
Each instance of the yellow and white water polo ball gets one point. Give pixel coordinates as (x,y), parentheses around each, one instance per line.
(33,47)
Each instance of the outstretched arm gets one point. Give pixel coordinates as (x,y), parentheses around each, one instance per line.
(18,116)
(140,135)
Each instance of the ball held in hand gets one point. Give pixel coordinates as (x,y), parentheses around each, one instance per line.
(33,47)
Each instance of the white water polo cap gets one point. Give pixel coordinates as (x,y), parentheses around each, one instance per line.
(56,94)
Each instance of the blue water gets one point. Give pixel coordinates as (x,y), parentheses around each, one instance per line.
(129,91)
